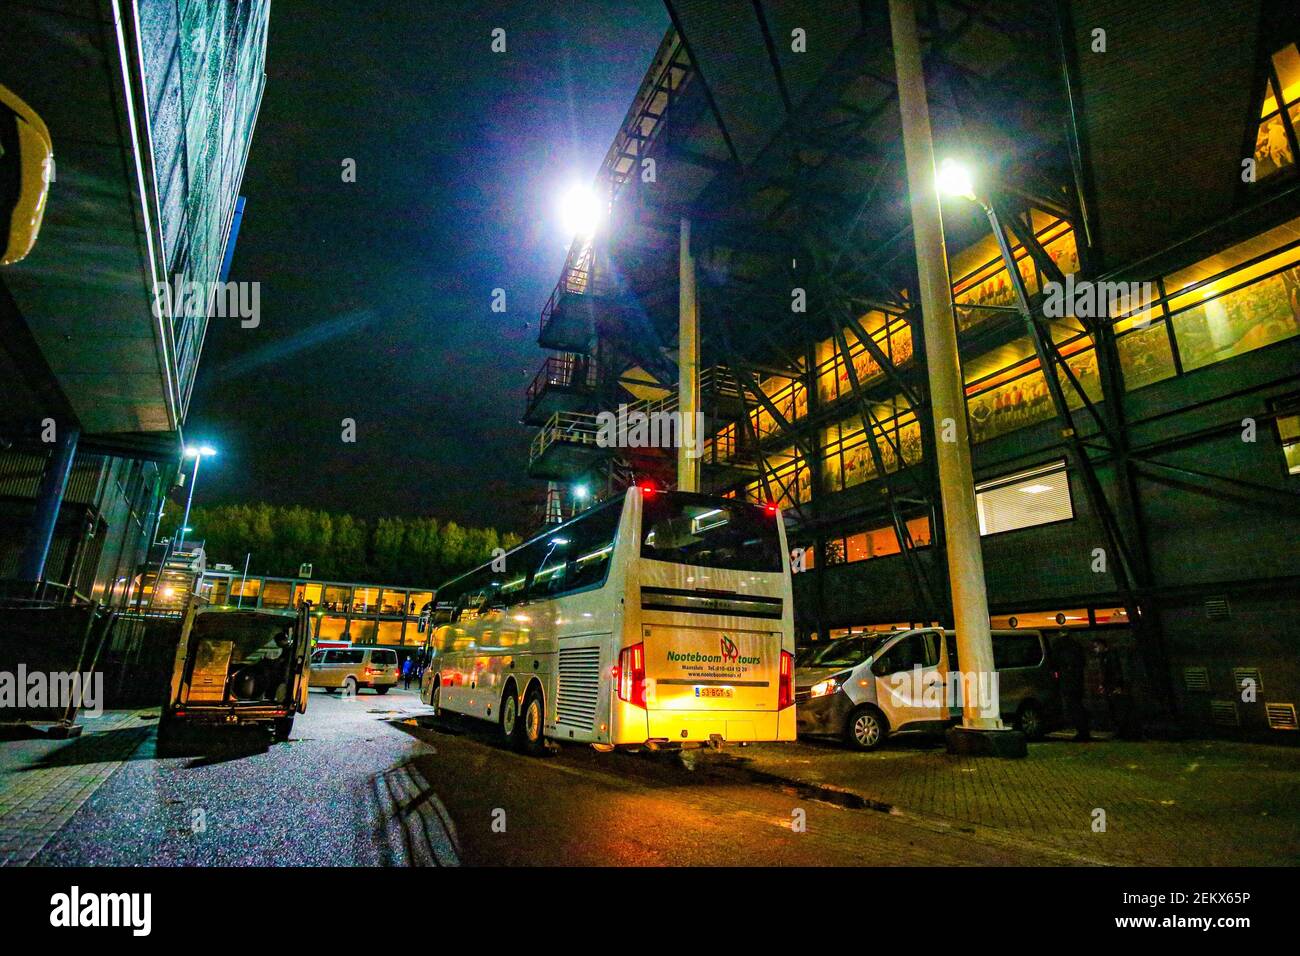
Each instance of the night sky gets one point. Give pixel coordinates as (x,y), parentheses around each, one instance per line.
(376,295)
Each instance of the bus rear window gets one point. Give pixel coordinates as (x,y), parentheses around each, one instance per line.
(709,533)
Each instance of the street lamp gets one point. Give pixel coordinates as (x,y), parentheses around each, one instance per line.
(954,179)
(580,212)
(580,495)
(198,453)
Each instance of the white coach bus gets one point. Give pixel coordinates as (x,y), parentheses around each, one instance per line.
(659,619)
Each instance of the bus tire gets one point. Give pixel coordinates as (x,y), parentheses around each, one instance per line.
(435,696)
(532,723)
(865,728)
(508,718)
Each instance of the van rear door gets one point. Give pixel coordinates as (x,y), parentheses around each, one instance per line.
(301,659)
(709,668)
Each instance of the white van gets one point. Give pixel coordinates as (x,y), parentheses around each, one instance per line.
(865,687)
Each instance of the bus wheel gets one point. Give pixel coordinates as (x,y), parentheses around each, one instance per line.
(435,697)
(865,728)
(510,724)
(532,738)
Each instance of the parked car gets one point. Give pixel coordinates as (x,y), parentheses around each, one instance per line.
(866,687)
(350,668)
(25,157)
(237,667)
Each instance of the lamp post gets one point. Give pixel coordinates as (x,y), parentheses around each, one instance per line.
(981,730)
(580,495)
(198,453)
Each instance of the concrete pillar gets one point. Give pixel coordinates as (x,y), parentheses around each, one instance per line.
(947,395)
(688,366)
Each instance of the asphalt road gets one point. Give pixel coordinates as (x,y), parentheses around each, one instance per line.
(378,781)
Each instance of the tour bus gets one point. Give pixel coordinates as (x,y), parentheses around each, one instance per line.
(659,619)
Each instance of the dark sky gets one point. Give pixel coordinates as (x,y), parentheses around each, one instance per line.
(376,295)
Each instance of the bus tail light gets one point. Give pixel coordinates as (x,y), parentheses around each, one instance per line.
(630,675)
(785,686)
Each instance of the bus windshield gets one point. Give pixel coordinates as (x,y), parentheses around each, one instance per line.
(709,533)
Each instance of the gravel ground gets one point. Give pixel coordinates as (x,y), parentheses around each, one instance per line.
(312,801)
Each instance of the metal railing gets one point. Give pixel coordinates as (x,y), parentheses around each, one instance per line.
(573,279)
(571,428)
(669,73)
(562,371)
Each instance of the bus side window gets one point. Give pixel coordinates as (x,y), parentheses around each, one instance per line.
(593,547)
(551,572)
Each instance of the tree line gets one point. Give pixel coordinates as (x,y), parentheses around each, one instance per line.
(410,551)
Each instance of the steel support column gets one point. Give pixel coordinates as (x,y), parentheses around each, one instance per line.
(49,501)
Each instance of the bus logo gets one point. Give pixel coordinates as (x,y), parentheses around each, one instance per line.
(730,652)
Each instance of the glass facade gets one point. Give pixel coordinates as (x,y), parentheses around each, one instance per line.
(788,480)
(847,459)
(360,613)
(892,336)
(1275,140)
(877,542)
(1234,302)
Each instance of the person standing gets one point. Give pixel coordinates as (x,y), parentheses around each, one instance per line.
(1113,687)
(1073,661)
(406,673)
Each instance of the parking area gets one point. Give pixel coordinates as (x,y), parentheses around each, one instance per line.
(1149,803)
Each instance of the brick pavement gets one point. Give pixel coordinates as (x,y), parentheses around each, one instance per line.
(1204,802)
(43,782)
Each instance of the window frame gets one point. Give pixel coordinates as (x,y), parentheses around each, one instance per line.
(1052,467)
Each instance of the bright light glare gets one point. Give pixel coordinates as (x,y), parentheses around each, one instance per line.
(954,179)
(581,211)
(580,492)
(193,451)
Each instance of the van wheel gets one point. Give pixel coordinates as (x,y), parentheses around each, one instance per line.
(167,744)
(865,729)
(383,690)
(283,728)
(1029,721)
(511,725)
(532,739)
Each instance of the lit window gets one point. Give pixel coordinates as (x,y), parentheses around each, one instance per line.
(1024,499)
(1274,148)
(1288,430)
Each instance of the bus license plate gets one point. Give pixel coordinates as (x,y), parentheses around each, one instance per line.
(714,692)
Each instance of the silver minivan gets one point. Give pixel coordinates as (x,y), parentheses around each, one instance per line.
(865,687)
